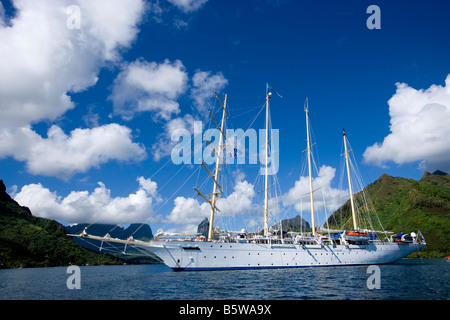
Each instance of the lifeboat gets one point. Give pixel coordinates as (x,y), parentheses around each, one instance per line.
(357,236)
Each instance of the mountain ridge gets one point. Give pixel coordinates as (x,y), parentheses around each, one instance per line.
(408,205)
(27,241)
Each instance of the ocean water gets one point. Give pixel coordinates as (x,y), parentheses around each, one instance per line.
(409,279)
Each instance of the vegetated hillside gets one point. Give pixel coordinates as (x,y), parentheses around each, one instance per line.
(28,241)
(296,224)
(407,205)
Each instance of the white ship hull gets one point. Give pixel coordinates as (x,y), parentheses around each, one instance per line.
(195,256)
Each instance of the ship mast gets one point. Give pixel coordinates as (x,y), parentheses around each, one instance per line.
(266,186)
(350,182)
(313,226)
(215,177)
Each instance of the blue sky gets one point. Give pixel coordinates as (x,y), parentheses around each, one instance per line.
(97,103)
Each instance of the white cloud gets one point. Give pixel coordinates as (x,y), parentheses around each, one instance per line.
(42,60)
(298,196)
(239,202)
(188,5)
(95,207)
(64,155)
(420,128)
(204,87)
(149,86)
(188,212)
(112,22)
(164,144)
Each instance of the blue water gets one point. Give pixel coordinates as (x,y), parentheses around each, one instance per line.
(414,279)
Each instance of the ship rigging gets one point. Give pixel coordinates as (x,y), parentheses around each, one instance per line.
(224,249)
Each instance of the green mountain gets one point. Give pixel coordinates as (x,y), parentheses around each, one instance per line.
(407,205)
(28,241)
(296,224)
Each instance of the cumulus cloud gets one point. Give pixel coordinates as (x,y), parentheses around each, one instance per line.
(95,207)
(149,86)
(113,23)
(164,144)
(239,202)
(42,60)
(420,129)
(188,5)
(63,155)
(298,196)
(188,212)
(204,86)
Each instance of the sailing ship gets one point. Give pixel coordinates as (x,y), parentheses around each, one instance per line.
(225,250)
